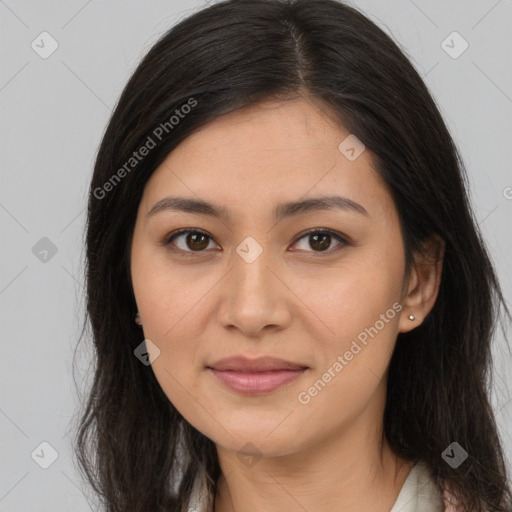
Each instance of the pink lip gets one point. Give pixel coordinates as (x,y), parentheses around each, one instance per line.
(256,382)
(255,376)
(260,364)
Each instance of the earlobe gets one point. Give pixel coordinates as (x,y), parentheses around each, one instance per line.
(424,283)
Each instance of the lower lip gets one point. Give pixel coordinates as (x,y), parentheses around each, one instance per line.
(256,383)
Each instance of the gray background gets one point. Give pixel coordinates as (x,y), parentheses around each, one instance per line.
(53,114)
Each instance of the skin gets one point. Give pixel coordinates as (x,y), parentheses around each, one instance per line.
(293,302)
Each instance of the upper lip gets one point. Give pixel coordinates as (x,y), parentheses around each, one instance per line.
(260,364)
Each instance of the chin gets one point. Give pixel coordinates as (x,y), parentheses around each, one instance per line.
(257,440)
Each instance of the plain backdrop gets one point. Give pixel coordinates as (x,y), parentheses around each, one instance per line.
(53,113)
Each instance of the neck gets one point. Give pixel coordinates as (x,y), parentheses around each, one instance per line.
(344,472)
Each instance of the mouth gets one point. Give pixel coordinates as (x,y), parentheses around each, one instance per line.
(256,376)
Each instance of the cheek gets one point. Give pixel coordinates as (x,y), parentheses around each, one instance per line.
(169,305)
(353,296)
(168,295)
(171,300)
(359,302)
(362,309)
(162,301)
(172,321)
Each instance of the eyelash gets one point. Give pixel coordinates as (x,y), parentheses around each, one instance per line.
(172,236)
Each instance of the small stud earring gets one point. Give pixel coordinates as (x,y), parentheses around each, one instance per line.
(412,317)
(137,319)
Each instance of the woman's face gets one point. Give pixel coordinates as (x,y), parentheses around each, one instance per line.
(254,283)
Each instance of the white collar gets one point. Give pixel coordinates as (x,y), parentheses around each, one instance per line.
(419,493)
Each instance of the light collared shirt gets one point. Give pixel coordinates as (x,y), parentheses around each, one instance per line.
(419,493)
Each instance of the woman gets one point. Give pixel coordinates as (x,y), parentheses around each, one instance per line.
(292,306)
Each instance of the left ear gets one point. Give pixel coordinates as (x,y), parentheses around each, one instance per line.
(423,286)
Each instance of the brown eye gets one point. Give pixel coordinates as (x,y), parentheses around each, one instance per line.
(197,241)
(190,240)
(321,240)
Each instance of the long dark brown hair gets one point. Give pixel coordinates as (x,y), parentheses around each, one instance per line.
(134,448)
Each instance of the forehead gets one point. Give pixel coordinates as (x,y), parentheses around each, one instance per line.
(264,154)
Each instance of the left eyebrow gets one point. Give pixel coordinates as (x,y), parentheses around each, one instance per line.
(281,211)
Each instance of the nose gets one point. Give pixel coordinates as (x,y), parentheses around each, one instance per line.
(255,298)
